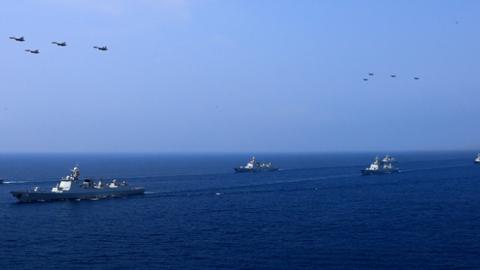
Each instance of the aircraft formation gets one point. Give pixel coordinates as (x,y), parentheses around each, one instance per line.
(58,43)
(393,76)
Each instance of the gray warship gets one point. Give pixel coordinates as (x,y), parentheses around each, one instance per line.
(72,188)
(384,166)
(254,166)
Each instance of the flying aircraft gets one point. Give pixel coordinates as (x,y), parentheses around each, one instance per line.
(104,48)
(416,78)
(33,51)
(370,74)
(365,79)
(21,39)
(61,44)
(393,76)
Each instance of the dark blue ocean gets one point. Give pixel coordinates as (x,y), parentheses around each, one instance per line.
(316,213)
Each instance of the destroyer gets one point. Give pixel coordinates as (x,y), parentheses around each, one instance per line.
(384,166)
(72,188)
(254,166)
(477,159)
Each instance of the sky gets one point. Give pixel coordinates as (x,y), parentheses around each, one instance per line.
(239,76)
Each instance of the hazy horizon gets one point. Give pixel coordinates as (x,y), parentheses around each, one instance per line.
(186,76)
(247,153)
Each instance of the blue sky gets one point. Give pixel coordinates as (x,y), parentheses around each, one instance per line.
(239,76)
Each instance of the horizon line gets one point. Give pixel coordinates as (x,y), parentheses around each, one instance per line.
(231,152)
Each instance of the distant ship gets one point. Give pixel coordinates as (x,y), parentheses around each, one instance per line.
(1,181)
(254,166)
(477,159)
(384,166)
(72,188)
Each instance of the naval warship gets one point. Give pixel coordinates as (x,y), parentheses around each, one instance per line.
(254,166)
(72,188)
(383,166)
(477,159)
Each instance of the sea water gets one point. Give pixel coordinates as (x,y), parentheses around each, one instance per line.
(317,212)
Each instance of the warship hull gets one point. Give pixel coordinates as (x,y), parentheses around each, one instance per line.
(378,172)
(249,170)
(35,196)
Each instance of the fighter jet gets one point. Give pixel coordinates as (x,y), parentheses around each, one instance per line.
(33,51)
(104,48)
(21,39)
(61,44)
(370,74)
(393,76)
(416,78)
(365,79)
